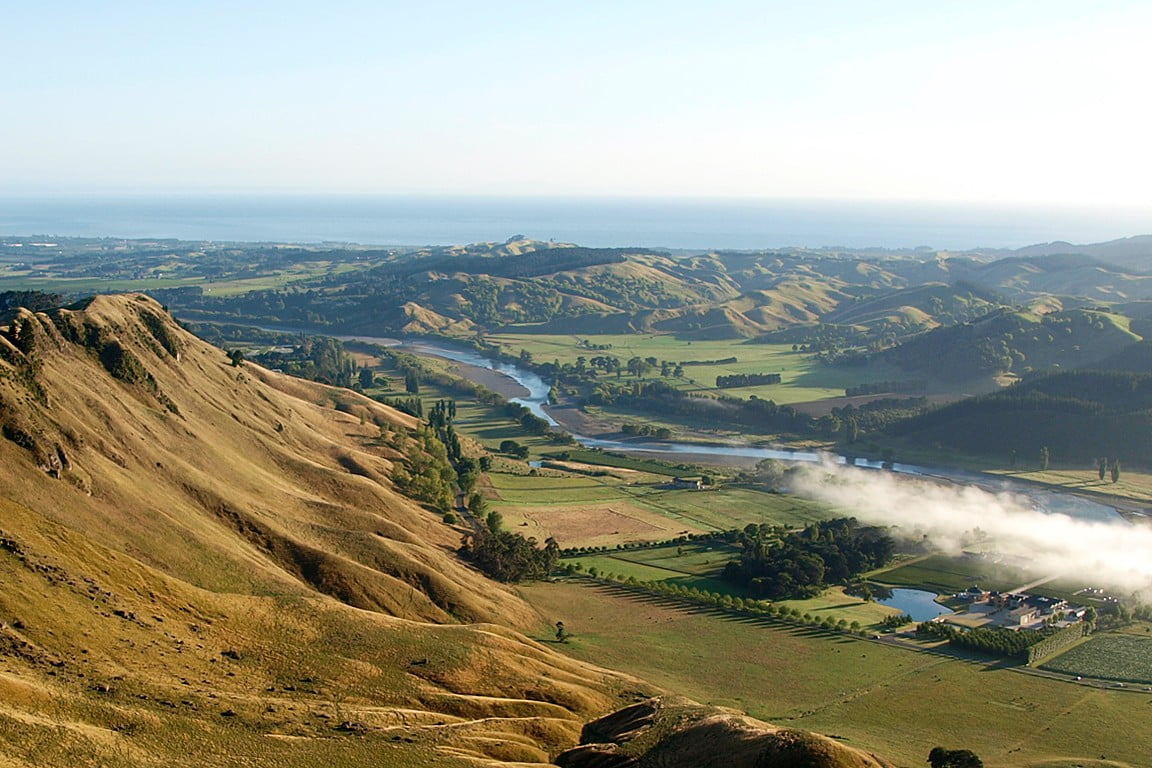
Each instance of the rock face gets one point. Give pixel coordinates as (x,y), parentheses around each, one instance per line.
(663,732)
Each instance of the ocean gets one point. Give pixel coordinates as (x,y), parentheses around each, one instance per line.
(599,222)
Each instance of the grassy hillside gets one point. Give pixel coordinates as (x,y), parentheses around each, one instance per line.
(1014,341)
(209,563)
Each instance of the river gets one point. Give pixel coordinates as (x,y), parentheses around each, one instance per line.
(537,399)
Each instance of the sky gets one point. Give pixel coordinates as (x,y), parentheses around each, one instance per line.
(992,102)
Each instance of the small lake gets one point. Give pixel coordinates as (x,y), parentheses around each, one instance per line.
(917,603)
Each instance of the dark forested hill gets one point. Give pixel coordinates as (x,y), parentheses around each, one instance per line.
(1079,416)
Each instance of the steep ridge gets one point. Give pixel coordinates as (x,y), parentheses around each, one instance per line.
(173,531)
(212,473)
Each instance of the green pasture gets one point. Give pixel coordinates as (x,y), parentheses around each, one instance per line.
(694,564)
(947,575)
(896,702)
(802,379)
(836,604)
(612,459)
(693,558)
(735,507)
(699,564)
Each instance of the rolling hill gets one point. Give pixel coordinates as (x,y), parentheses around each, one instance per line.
(1014,341)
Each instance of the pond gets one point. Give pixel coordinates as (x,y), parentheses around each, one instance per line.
(917,603)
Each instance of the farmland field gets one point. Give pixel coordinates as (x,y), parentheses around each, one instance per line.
(802,378)
(897,702)
(693,564)
(947,575)
(1109,657)
(603,511)
(838,605)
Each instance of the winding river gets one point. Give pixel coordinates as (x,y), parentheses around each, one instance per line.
(537,399)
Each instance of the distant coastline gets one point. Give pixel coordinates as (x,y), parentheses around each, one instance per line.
(678,224)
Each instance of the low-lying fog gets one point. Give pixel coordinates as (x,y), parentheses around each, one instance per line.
(1113,553)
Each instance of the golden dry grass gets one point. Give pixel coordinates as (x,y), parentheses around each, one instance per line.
(590,525)
(227,580)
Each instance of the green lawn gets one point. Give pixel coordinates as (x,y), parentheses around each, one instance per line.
(736,507)
(693,564)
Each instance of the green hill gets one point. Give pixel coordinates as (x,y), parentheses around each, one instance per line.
(1079,416)
(1012,341)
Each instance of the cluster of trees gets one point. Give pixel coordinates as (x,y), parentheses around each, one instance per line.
(753,414)
(1008,340)
(319,358)
(1114,613)
(646,430)
(893,622)
(1108,467)
(852,422)
(509,557)
(513,448)
(801,564)
(990,641)
(732,535)
(440,419)
(881,387)
(954,758)
(528,421)
(427,474)
(723,361)
(746,380)
(35,301)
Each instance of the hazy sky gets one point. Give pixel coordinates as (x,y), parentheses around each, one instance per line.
(1038,102)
